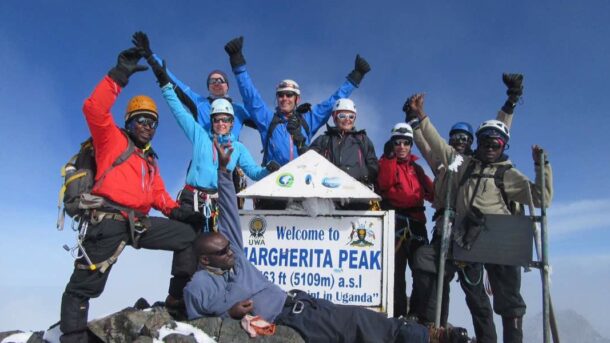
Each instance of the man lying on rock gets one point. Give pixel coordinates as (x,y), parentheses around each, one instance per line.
(228,285)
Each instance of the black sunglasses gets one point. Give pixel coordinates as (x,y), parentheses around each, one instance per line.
(222,120)
(222,251)
(493,145)
(147,122)
(216,81)
(286,94)
(460,137)
(405,142)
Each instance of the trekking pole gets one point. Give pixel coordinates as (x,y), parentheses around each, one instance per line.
(445,238)
(546,297)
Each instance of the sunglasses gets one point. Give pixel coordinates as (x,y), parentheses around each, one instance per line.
(225,120)
(459,137)
(404,142)
(492,144)
(222,251)
(147,122)
(216,81)
(346,115)
(286,94)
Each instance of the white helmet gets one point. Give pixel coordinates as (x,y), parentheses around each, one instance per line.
(344,105)
(288,86)
(222,106)
(493,128)
(402,130)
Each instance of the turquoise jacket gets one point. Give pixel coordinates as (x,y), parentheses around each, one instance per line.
(203,171)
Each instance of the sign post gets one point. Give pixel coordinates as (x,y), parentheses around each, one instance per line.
(346,257)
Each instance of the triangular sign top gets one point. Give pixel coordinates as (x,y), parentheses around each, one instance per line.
(309,176)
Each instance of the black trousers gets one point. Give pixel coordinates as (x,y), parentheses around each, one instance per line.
(403,256)
(101,243)
(506,285)
(322,321)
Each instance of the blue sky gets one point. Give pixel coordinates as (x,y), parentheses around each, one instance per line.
(54,53)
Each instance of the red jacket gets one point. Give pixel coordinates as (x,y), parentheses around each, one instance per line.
(400,185)
(136,183)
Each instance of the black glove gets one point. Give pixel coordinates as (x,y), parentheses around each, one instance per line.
(514,85)
(160,71)
(361,67)
(293,124)
(272,166)
(388,149)
(409,114)
(186,216)
(140,41)
(127,64)
(304,108)
(233,48)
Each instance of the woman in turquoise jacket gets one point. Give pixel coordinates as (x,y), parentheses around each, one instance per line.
(203,172)
(202,175)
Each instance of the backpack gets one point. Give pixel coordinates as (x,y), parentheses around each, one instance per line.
(79,178)
(274,123)
(498,177)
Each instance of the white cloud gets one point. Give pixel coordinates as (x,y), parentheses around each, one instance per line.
(577,216)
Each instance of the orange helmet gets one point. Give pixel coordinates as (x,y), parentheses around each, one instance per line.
(141,104)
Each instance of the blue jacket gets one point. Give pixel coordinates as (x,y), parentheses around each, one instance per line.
(209,294)
(203,171)
(281,148)
(204,106)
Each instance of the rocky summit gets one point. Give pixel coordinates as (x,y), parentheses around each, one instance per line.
(155,324)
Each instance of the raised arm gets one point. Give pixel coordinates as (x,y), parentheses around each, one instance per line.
(188,97)
(439,149)
(258,110)
(514,90)
(97,107)
(320,113)
(228,222)
(516,184)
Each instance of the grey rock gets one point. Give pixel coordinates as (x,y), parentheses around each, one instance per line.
(128,324)
(142,326)
(211,325)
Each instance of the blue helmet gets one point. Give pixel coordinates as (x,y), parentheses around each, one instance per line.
(462,127)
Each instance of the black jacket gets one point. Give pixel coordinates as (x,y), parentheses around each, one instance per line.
(351,151)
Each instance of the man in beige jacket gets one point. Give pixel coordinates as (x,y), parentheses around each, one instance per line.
(461,137)
(479,193)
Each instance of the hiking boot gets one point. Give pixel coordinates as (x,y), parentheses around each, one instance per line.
(448,335)
(176,308)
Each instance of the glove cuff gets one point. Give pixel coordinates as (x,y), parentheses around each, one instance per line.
(355,77)
(509,105)
(120,75)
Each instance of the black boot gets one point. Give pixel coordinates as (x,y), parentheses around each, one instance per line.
(512,329)
(73,324)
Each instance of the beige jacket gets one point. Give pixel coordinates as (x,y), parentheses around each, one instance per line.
(488,197)
(438,168)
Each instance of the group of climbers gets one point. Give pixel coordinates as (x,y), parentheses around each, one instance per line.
(127,188)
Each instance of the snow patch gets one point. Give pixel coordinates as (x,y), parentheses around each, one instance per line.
(184,329)
(21,337)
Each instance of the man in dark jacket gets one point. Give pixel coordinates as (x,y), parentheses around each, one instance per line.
(127,192)
(347,148)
